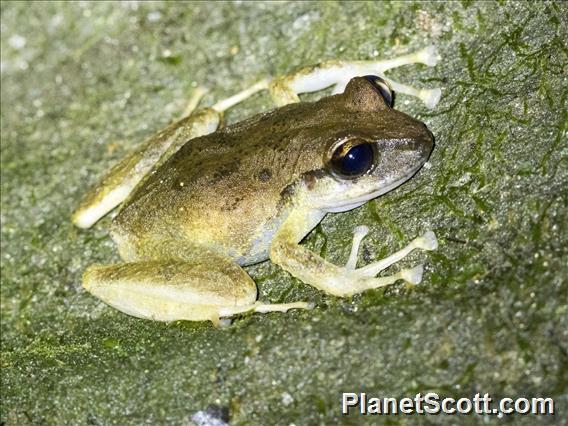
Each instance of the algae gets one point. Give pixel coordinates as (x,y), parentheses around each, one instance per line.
(83,82)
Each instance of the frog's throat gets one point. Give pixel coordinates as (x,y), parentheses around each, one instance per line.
(350,204)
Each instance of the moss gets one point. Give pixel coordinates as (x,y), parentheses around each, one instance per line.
(83,82)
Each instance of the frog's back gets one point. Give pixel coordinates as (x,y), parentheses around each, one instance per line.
(223,191)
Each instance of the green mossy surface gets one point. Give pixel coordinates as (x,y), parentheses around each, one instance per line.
(82,83)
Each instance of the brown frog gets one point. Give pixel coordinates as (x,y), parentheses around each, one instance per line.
(198,202)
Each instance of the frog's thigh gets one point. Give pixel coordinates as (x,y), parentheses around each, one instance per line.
(178,290)
(171,290)
(119,182)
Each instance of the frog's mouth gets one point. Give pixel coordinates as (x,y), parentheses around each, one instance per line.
(357,201)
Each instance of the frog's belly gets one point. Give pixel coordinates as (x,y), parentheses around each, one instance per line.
(245,239)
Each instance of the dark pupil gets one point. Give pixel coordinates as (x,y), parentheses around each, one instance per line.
(358,160)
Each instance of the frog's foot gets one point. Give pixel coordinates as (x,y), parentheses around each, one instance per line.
(427,241)
(179,290)
(230,102)
(263,308)
(364,276)
(347,280)
(285,89)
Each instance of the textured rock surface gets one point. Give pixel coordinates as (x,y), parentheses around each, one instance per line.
(82,83)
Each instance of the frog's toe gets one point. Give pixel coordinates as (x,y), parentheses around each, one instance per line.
(430,97)
(280,307)
(429,56)
(194,100)
(413,275)
(428,241)
(359,232)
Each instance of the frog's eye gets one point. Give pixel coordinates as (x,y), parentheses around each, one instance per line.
(382,87)
(353,158)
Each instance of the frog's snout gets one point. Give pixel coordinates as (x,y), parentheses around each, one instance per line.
(423,142)
(419,146)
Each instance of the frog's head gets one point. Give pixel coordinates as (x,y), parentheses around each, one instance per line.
(373,150)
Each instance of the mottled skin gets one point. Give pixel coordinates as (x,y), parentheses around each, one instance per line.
(197,204)
(231,190)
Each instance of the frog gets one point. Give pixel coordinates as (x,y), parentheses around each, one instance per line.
(199,201)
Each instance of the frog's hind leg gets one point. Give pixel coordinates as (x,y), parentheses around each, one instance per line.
(179,290)
(285,89)
(119,182)
(230,102)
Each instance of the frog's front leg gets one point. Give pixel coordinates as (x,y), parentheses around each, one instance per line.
(285,89)
(208,288)
(342,281)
